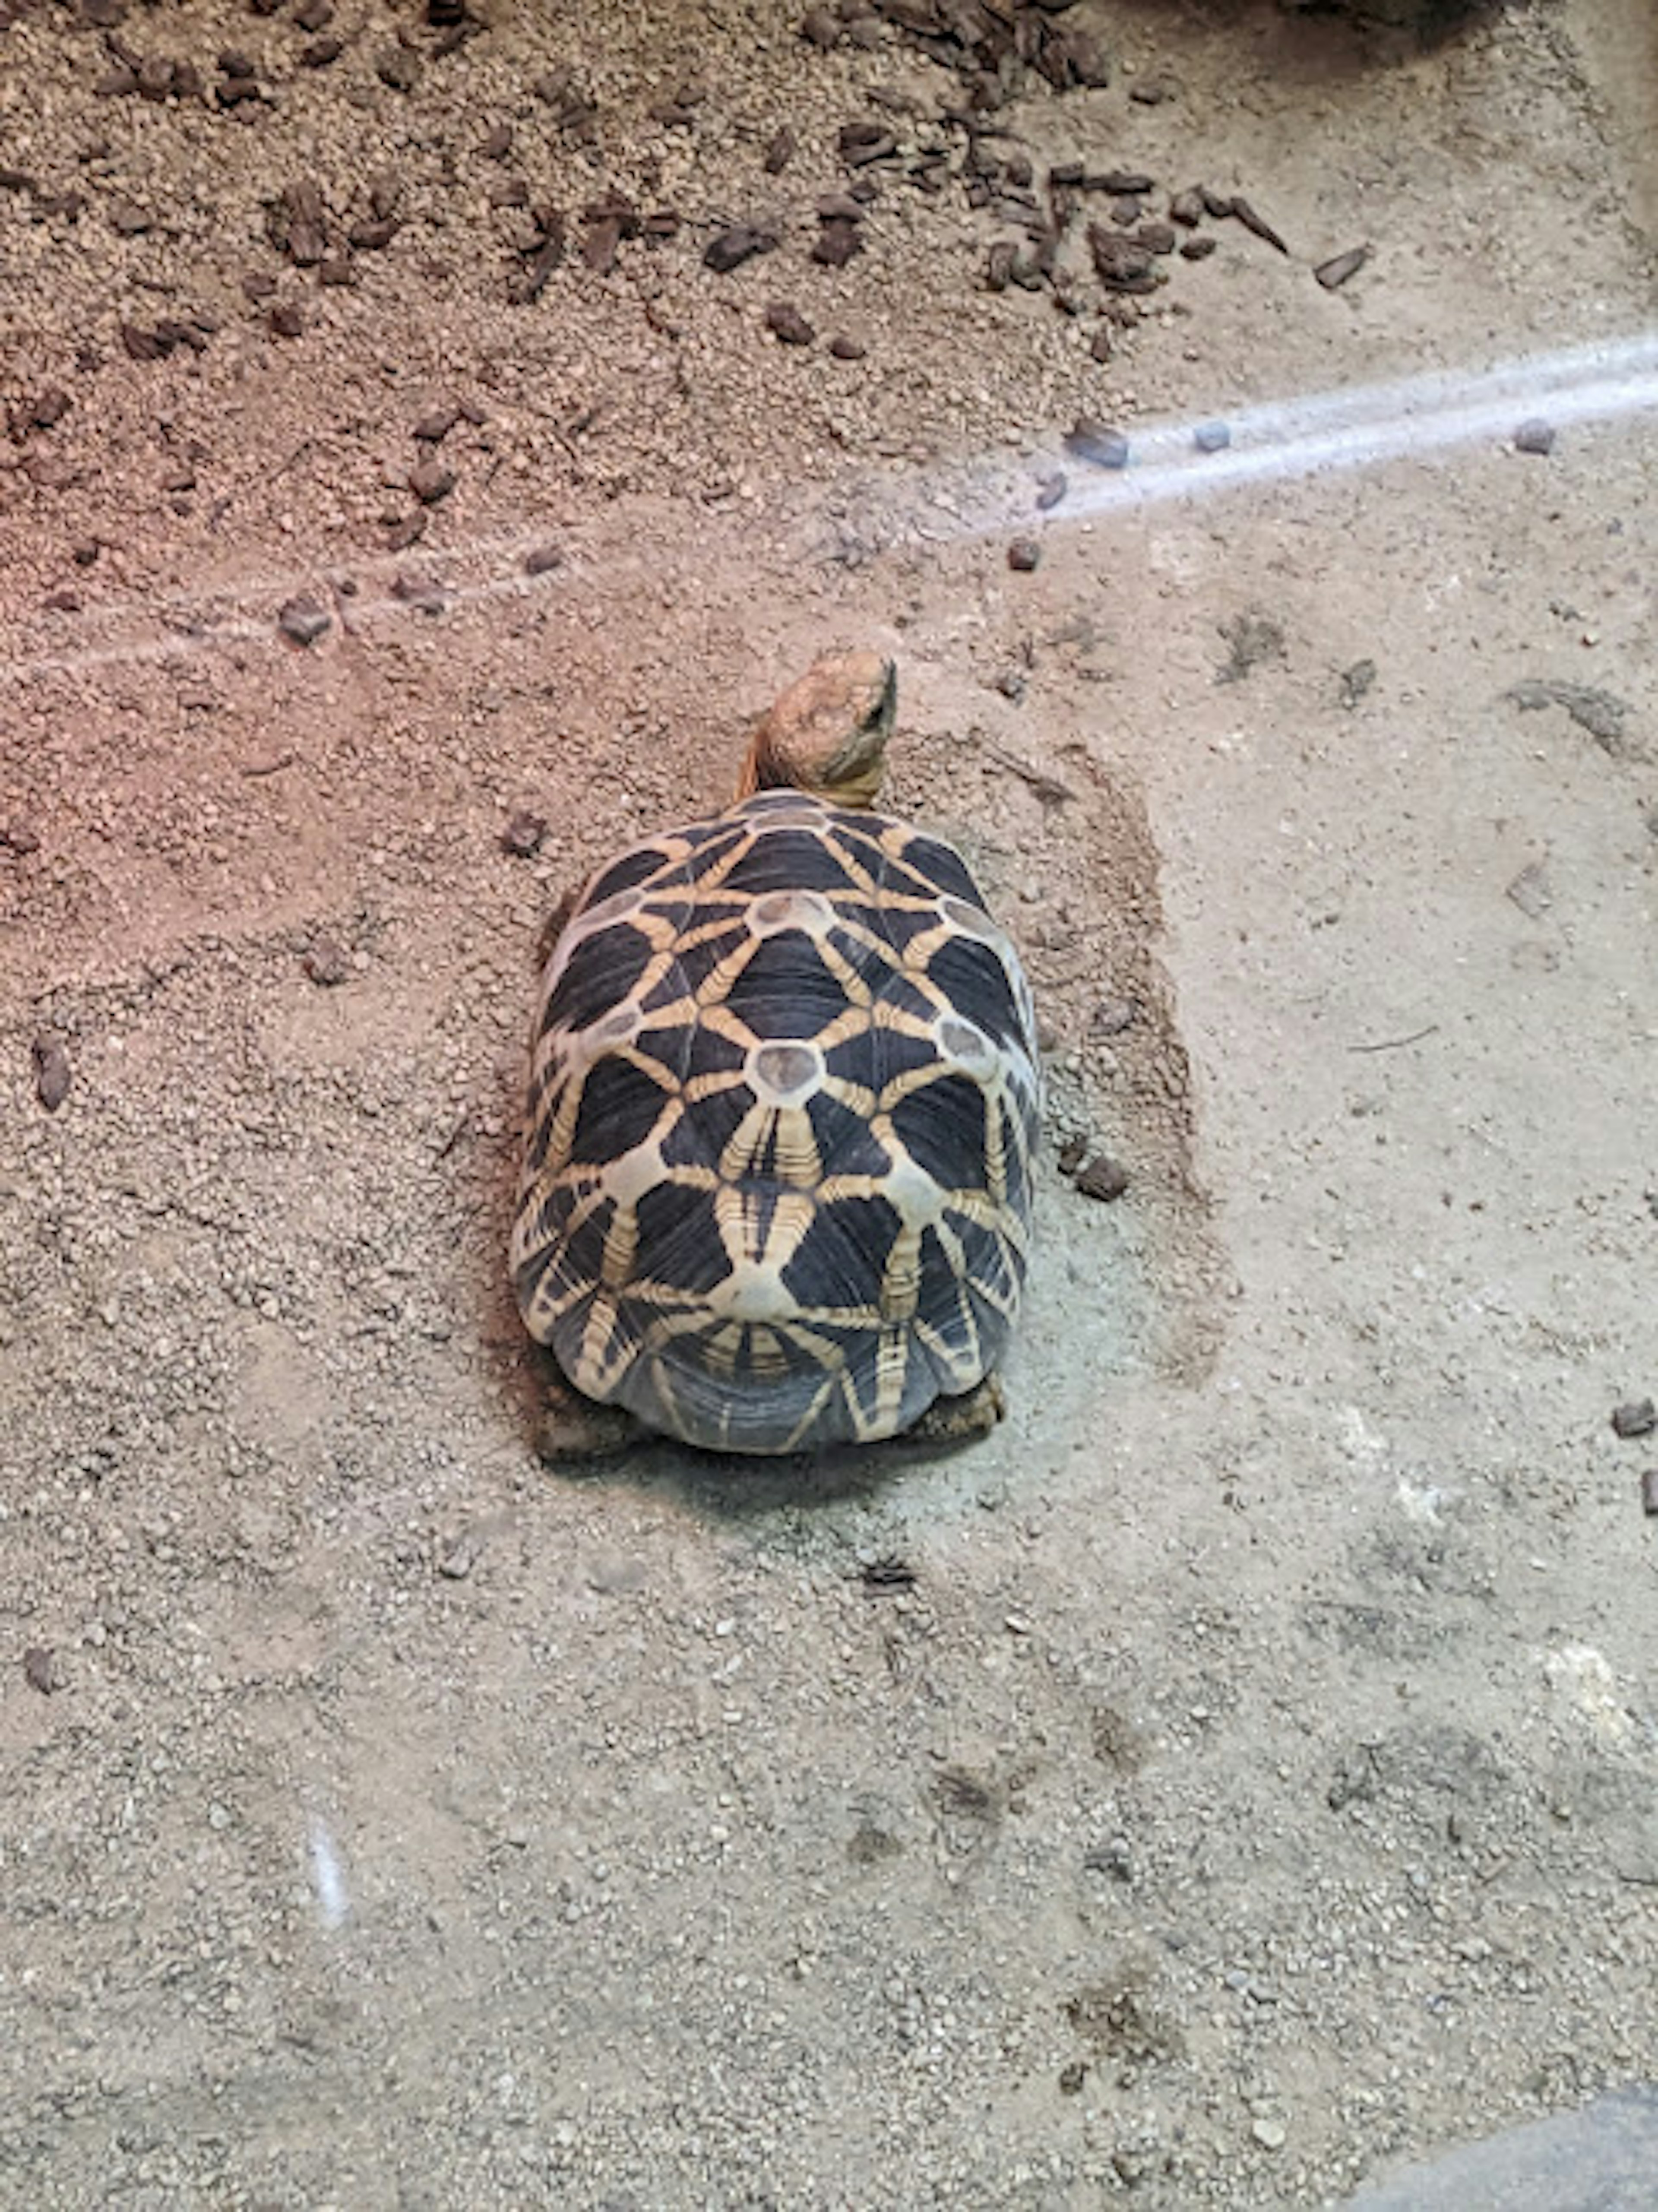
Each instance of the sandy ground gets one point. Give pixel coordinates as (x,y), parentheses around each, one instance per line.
(1235,1777)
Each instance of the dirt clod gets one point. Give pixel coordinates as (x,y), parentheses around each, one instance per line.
(325,962)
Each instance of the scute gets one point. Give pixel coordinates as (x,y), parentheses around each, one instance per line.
(814,1263)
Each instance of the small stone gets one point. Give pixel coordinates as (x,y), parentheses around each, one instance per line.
(837,242)
(1198,249)
(499,143)
(435,426)
(458,1563)
(286,320)
(734,245)
(1650,1490)
(304,620)
(16,839)
(542,560)
(523,835)
(430,481)
(1096,443)
(1023,555)
(1535,436)
(1334,273)
(40,1669)
(780,151)
(1637,1417)
(1052,489)
(52,1071)
(1100,1177)
(788,325)
(1212,437)
(325,963)
(1186,208)
(1271,2135)
(402,531)
(847,349)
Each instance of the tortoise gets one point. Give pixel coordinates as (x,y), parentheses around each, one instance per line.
(776,1187)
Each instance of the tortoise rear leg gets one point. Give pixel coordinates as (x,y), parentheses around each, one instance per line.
(577,1431)
(963,1419)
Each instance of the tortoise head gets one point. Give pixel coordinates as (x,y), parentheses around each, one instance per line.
(827,733)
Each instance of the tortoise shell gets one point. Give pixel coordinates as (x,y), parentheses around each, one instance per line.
(784,1092)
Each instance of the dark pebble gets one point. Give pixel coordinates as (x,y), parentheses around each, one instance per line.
(435,426)
(286,320)
(402,531)
(1101,1177)
(542,560)
(780,151)
(235,91)
(1023,555)
(1102,345)
(325,963)
(837,242)
(141,344)
(305,620)
(1157,237)
(1096,443)
(999,265)
(421,592)
(52,1071)
(374,235)
(321,53)
(847,349)
(1638,1417)
(336,269)
(430,481)
(788,325)
(1650,1490)
(737,244)
(499,143)
(523,835)
(1052,489)
(821,27)
(1212,437)
(1198,249)
(40,1669)
(1186,209)
(15,838)
(397,69)
(1535,437)
(1333,274)
(863,142)
(314,14)
(258,285)
(63,602)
